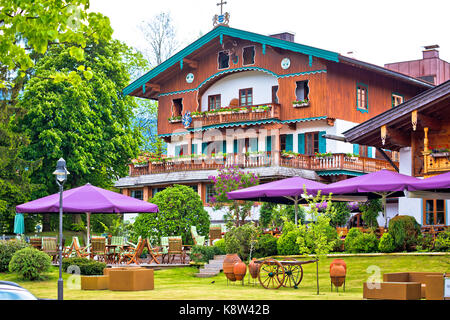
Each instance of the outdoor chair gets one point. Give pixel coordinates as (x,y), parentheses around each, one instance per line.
(50,247)
(115,248)
(98,248)
(36,242)
(215,233)
(164,248)
(75,249)
(175,248)
(134,253)
(154,252)
(198,240)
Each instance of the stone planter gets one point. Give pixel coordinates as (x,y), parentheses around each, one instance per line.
(228,264)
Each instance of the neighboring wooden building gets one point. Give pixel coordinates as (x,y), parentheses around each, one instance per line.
(419,130)
(263,103)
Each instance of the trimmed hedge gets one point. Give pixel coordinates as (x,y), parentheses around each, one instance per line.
(7,250)
(30,263)
(406,231)
(204,253)
(266,246)
(87,267)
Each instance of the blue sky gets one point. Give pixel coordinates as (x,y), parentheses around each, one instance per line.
(378,32)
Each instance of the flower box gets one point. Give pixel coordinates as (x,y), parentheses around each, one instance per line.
(440,154)
(141,165)
(174,120)
(301,105)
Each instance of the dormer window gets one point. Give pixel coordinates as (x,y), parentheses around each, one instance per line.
(224,60)
(248,55)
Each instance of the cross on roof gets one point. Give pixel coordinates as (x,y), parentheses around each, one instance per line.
(221,4)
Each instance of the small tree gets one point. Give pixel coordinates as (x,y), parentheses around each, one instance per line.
(231,179)
(180,207)
(30,263)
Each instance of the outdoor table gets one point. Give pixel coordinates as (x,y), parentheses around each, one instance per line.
(115,255)
(273,274)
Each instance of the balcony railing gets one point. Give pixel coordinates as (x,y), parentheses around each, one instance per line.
(436,162)
(237,114)
(266,159)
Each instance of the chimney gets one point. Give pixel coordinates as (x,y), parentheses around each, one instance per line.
(287,36)
(431,51)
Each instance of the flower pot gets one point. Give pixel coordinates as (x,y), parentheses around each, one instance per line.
(239,270)
(253,268)
(338,271)
(228,264)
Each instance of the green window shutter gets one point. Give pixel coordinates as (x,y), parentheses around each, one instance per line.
(177,151)
(194,148)
(289,142)
(235,146)
(322,142)
(301,143)
(253,144)
(204,147)
(371,152)
(269,144)
(356,149)
(224,146)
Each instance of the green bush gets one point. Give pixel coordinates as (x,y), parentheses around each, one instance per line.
(7,250)
(364,243)
(352,234)
(239,240)
(425,242)
(287,243)
(204,253)
(386,243)
(30,263)
(266,246)
(405,230)
(442,242)
(220,245)
(87,267)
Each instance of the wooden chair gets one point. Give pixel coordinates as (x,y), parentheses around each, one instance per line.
(175,248)
(36,242)
(154,252)
(164,248)
(50,247)
(117,246)
(98,248)
(134,253)
(75,249)
(215,233)
(198,240)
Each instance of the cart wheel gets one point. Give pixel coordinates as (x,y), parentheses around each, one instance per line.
(271,274)
(293,276)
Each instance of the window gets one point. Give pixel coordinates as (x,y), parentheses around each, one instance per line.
(224,60)
(286,142)
(248,54)
(311,143)
(156,190)
(194,187)
(137,194)
(245,97)
(210,193)
(302,90)
(214,102)
(274,94)
(434,212)
(397,99)
(181,150)
(362,101)
(177,105)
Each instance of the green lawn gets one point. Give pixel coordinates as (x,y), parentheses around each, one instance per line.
(181,284)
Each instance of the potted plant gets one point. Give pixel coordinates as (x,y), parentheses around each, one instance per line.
(440,152)
(351,156)
(197,114)
(300,103)
(243,110)
(323,155)
(261,109)
(140,163)
(175,119)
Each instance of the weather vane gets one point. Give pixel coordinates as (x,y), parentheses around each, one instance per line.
(223,18)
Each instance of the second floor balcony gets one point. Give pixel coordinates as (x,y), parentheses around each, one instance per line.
(330,162)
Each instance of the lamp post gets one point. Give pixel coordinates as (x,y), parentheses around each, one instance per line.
(61,177)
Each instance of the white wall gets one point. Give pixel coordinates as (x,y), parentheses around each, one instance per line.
(229,86)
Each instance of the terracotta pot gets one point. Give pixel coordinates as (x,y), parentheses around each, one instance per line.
(339,262)
(239,270)
(228,264)
(337,275)
(253,268)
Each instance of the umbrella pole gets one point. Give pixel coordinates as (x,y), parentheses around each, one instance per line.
(383,199)
(88,240)
(296,210)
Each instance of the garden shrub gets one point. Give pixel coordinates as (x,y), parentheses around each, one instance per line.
(202,253)
(405,230)
(87,267)
(239,240)
(220,246)
(287,243)
(364,243)
(442,242)
(351,235)
(30,263)
(7,250)
(425,242)
(386,243)
(266,246)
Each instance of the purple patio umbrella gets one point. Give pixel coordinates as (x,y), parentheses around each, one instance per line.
(285,191)
(381,184)
(437,187)
(88,199)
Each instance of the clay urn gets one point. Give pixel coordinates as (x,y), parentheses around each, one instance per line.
(337,274)
(228,264)
(239,270)
(253,268)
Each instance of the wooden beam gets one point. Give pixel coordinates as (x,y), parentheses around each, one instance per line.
(428,122)
(398,138)
(388,159)
(191,63)
(155,87)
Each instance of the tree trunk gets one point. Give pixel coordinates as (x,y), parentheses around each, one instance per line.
(46,222)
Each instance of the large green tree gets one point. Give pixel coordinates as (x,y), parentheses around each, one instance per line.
(86,121)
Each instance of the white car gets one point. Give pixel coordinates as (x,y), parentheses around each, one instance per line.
(13,291)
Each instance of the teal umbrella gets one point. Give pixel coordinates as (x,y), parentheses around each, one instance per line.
(19,225)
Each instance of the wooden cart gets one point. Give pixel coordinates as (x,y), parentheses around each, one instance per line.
(273,274)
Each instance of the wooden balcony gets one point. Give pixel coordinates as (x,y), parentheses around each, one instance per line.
(237,114)
(436,163)
(266,159)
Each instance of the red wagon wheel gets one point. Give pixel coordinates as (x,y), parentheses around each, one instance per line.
(271,274)
(293,274)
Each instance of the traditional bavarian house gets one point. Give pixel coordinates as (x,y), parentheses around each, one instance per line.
(263,103)
(419,129)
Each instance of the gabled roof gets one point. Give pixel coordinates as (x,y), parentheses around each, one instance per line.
(221,31)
